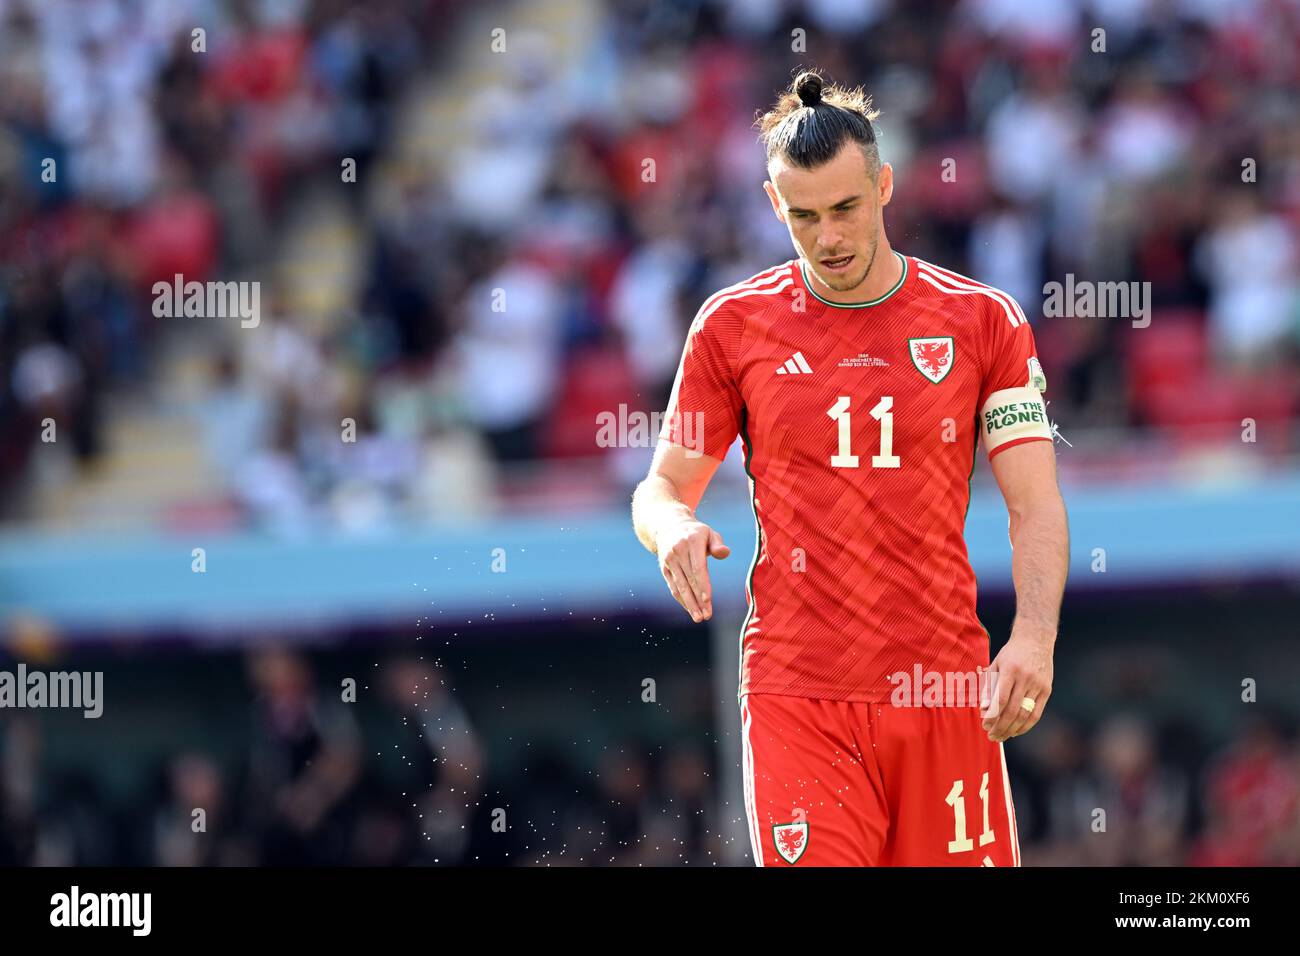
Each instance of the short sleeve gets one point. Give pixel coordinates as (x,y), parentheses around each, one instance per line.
(1012,410)
(703,413)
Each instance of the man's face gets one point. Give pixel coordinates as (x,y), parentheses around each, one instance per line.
(833,213)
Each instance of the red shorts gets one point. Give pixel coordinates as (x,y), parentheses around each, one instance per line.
(839,783)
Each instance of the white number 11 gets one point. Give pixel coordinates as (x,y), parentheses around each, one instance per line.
(881,413)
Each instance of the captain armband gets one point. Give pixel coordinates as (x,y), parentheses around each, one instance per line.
(1012,415)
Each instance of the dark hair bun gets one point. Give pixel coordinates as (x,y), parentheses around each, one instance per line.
(808,87)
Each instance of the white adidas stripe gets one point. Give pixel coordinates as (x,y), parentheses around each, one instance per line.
(957,279)
(795,365)
(945,283)
(747,774)
(763,278)
(752,282)
(784,278)
(1011,810)
(709,309)
(966,282)
(950,291)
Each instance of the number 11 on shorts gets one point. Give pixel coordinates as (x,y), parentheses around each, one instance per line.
(960,842)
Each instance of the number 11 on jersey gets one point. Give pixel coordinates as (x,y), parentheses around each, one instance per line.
(881,413)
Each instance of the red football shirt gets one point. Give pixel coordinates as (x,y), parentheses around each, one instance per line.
(859,425)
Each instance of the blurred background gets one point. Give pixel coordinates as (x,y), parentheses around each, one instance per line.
(179,509)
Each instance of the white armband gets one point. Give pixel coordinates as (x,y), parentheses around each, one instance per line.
(1013,414)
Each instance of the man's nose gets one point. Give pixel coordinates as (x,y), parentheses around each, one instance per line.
(829,240)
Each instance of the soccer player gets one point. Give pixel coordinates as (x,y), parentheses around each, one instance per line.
(860,381)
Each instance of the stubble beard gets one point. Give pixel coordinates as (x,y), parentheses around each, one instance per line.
(847,285)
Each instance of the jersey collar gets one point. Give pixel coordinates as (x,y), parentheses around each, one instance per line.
(803,271)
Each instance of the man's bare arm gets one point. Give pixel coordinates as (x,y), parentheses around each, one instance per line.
(1040,542)
(1040,536)
(663,515)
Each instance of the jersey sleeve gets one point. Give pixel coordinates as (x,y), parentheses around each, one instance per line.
(1012,410)
(704,410)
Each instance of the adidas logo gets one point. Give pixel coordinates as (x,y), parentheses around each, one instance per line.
(794,366)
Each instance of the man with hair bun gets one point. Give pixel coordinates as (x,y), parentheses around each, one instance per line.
(861,381)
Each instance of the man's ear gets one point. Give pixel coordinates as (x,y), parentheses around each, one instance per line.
(885,183)
(774,199)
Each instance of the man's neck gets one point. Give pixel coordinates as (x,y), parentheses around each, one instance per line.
(884,275)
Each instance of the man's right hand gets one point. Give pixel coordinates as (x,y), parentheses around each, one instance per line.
(684,548)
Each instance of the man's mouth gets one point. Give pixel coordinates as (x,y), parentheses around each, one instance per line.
(838,264)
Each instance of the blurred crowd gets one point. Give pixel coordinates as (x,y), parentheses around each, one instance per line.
(321,777)
(1127,794)
(399,775)
(310,785)
(511,264)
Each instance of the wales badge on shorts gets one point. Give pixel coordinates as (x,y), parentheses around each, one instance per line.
(791,840)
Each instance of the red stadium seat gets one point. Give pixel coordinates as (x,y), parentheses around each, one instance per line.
(595,381)
(1210,409)
(1171,350)
(1172,386)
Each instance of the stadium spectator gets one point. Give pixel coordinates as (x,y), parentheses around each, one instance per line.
(302,764)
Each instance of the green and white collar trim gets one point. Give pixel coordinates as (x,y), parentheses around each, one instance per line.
(803,268)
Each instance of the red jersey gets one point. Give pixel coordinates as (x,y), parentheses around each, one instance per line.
(859,425)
